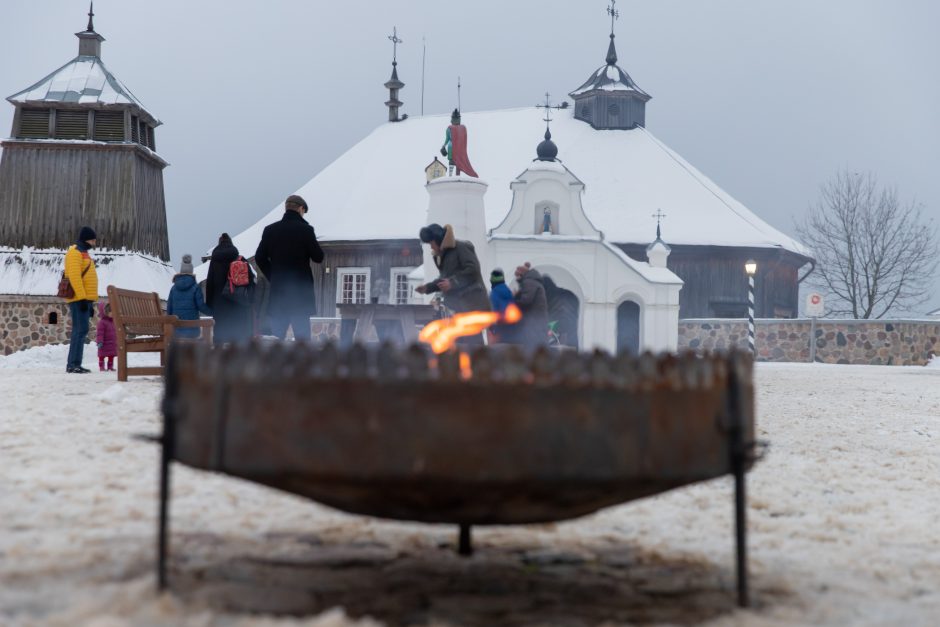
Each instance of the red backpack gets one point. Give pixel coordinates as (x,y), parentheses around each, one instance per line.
(238,274)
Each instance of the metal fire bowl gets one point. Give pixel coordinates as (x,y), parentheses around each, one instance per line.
(400,434)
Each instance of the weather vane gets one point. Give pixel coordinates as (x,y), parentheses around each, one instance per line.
(395,39)
(614,14)
(659,215)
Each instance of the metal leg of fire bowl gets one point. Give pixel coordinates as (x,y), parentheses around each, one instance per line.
(464,543)
(740,523)
(163,530)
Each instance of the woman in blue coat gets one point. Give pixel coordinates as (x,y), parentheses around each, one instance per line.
(185,300)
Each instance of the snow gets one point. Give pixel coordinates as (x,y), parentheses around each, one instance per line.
(934,362)
(36,271)
(548,166)
(376,189)
(83,80)
(839,517)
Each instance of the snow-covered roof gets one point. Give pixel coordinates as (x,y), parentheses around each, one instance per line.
(610,78)
(85,81)
(936,312)
(376,189)
(36,272)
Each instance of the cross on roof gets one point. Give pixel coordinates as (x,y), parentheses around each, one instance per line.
(614,14)
(659,215)
(395,39)
(548,106)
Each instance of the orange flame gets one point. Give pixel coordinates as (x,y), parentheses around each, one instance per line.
(465,370)
(442,334)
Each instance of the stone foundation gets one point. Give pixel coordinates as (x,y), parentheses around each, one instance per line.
(872,342)
(28,321)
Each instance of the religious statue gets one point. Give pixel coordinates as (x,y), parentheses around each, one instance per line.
(455,146)
(547,221)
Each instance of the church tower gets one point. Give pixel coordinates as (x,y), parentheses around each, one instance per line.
(82,151)
(610,99)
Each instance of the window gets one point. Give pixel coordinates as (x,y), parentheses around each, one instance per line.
(109,126)
(400,291)
(34,123)
(71,124)
(352,286)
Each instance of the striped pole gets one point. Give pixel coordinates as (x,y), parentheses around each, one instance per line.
(750,315)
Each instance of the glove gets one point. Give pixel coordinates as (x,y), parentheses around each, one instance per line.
(443,152)
(83,306)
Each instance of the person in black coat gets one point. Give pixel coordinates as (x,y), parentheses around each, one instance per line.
(287,247)
(233,320)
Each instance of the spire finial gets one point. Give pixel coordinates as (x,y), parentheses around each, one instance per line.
(394,38)
(91,17)
(547,151)
(611,50)
(659,215)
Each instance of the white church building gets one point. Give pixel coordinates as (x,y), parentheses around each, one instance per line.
(614,283)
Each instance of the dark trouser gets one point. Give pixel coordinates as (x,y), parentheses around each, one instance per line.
(79,332)
(299,322)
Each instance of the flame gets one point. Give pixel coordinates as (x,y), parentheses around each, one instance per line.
(465,370)
(442,334)
(513,314)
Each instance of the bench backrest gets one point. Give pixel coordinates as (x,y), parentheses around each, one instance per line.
(132,304)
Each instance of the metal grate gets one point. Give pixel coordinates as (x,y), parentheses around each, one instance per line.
(34,124)
(109,126)
(71,125)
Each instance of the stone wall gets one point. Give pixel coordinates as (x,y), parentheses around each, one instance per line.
(28,321)
(874,342)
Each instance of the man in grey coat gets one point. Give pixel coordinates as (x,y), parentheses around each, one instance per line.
(460,278)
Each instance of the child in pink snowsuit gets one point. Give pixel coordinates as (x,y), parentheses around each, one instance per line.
(106,337)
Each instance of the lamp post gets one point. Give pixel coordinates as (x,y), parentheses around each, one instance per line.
(750,266)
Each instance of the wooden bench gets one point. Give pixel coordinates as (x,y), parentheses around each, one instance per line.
(142,326)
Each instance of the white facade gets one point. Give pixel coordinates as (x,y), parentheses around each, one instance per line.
(572,252)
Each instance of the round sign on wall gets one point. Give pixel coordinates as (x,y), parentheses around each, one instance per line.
(814,305)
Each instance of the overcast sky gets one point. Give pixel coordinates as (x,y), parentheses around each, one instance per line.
(768,98)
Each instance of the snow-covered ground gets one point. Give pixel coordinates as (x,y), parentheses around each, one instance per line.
(842,517)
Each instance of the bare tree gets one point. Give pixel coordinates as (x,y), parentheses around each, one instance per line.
(874,254)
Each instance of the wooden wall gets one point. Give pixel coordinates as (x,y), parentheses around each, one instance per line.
(49,190)
(379,255)
(716,284)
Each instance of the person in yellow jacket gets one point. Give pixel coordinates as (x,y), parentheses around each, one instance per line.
(80,271)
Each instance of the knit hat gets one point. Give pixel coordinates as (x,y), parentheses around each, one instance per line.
(86,233)
(432,233)
(187,266)
(294,199)
(497,276)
